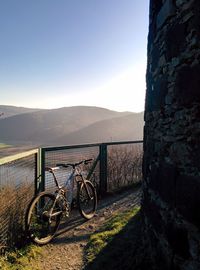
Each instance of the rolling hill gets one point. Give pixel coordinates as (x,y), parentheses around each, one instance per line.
(45,127)
(7,111)
(128,127)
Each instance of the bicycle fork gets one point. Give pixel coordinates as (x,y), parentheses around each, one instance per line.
(87,190)
(57,213)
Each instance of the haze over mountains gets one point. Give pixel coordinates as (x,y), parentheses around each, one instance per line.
(69,125)
(7,111)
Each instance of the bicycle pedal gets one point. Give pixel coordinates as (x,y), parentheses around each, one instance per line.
(67,213)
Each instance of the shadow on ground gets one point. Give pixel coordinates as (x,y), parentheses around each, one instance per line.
(126,251)
(75,219)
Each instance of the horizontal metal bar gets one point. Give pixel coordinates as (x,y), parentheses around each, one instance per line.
(123,142)
(17,156)
(66,147)
(57,148)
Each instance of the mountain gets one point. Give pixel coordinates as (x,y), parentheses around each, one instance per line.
(128,127)
(45,126)
(7,111)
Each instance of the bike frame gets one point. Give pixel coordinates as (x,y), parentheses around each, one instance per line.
(76,173)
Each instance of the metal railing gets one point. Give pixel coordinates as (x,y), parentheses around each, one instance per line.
(17,187)
(115,165)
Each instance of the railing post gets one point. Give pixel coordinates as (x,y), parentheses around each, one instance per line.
(36,156)
(40,179)
(103,168)
(42,183)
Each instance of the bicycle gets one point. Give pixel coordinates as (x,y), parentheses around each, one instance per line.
(46,210)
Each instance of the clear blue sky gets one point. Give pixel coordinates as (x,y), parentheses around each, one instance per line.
(73,52)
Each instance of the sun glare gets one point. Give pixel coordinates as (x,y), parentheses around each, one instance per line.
(123,92)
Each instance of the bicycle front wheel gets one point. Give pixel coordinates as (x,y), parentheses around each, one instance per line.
(43,218)
(87,199)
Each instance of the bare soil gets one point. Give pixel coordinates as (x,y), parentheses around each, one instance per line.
(66,251)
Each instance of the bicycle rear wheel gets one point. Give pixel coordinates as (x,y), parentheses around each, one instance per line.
(87,199)
(43,218)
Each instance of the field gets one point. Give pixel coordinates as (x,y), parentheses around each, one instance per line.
(3,145)
(9,150)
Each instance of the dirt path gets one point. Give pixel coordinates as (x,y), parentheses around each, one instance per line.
(66,251)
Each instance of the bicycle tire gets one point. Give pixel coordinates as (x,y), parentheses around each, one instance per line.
(39,226)
(87,204)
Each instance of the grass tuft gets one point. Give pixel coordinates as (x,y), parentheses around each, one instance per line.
(22,259)
(99,240)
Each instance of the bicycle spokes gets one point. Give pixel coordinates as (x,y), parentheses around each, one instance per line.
(87,200)
(43,218)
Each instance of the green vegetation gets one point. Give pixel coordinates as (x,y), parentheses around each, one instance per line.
(3,145)
(98,241)
(22,259)
(121,244)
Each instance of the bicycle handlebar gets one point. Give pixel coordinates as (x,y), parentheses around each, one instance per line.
(73,165)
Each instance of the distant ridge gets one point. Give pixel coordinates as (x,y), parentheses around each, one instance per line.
(128,127)
(8,110)
(69,125)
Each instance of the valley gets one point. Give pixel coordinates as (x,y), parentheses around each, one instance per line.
(24,129)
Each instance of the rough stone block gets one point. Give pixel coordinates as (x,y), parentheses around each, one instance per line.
(181,2)
(175,43)
(194,23)
(178,240)
(166,12)
(156,97)
(162,180)
(187,85)
(188,198)
(152,212)
(156,57)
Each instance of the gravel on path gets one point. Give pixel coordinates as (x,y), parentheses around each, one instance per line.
(66,250)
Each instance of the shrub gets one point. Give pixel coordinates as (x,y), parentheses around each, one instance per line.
(13,203)
(124,166)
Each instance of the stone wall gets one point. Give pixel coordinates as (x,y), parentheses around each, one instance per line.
(171,197)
